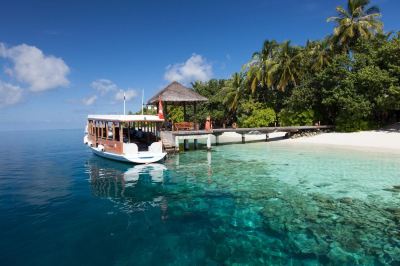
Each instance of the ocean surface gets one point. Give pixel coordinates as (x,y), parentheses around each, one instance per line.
(253,204)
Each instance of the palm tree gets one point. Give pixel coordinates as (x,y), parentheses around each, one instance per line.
(262,67)
(276,66)
(233,91)
(320,53)
(288,66)
(358,21)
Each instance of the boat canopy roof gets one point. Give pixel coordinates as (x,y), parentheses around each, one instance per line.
(126,118)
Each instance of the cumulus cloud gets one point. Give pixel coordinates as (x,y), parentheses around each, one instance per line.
(31,66)
(129,95)
(104,86)
(89,100)
(9,94)
(195,68)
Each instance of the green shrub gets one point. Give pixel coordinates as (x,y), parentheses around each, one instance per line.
(354,114)
(292,118)
(345,123)
(255,114)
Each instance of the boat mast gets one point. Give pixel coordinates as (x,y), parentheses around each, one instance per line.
(124,102)
(142,100)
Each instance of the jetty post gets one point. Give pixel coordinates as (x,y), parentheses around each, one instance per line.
(209,142)
(217,137)
(176,143)
(186,144)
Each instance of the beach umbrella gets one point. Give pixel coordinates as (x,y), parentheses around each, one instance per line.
(160,109)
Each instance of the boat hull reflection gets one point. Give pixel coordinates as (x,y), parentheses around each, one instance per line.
(133,188)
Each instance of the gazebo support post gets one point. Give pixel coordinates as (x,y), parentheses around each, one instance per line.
(194,111)
(184,111)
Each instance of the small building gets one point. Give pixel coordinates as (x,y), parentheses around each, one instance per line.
(177,94)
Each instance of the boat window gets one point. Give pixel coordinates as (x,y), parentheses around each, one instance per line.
(104,130)
(110,130)
(116,134)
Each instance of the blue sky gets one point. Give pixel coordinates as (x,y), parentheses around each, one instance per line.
(61,60)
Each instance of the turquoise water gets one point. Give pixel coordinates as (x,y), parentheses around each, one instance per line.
(253,204)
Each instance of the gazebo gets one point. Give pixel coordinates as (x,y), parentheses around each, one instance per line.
(177,94)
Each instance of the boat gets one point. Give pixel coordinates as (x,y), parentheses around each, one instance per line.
(126,138)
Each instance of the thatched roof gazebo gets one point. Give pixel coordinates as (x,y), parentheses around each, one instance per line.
(176,93)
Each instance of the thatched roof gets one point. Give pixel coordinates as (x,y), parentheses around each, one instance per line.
(176,92)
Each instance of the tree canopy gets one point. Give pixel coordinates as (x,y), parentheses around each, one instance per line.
(350,79)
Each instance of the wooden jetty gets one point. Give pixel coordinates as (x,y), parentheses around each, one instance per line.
(171,139)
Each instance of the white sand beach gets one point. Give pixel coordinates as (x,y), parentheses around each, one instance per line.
(364,139)
(386,139)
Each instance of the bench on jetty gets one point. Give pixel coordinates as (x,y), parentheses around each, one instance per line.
(186,135)
(183,126)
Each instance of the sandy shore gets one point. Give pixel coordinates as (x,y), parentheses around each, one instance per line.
(369,140)
(363,139)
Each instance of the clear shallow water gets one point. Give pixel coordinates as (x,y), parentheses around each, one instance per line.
(251,204)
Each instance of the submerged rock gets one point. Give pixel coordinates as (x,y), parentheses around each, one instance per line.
(356,231)
(346,200)
(341,257)
(308,244)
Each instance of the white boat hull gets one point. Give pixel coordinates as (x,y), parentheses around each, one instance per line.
(142,157)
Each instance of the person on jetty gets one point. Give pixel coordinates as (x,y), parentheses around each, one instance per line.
(208,125)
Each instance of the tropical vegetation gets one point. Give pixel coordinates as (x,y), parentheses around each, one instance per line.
(350,79)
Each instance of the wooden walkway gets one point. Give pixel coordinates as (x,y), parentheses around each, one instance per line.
(171,139)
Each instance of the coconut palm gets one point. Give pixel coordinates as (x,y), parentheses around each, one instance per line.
(262,67)
(357,21)
(276,66)
(288,69)
(233,91)
(320,53)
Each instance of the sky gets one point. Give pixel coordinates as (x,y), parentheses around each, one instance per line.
(61,60)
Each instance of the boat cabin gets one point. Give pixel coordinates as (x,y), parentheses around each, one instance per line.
(123,134)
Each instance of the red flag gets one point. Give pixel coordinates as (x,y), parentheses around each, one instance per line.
(160,109)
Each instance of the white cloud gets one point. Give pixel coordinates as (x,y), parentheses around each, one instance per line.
(129,95)
(195,68)
(89,100)
(41,72)
(9,94)
(104,86)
